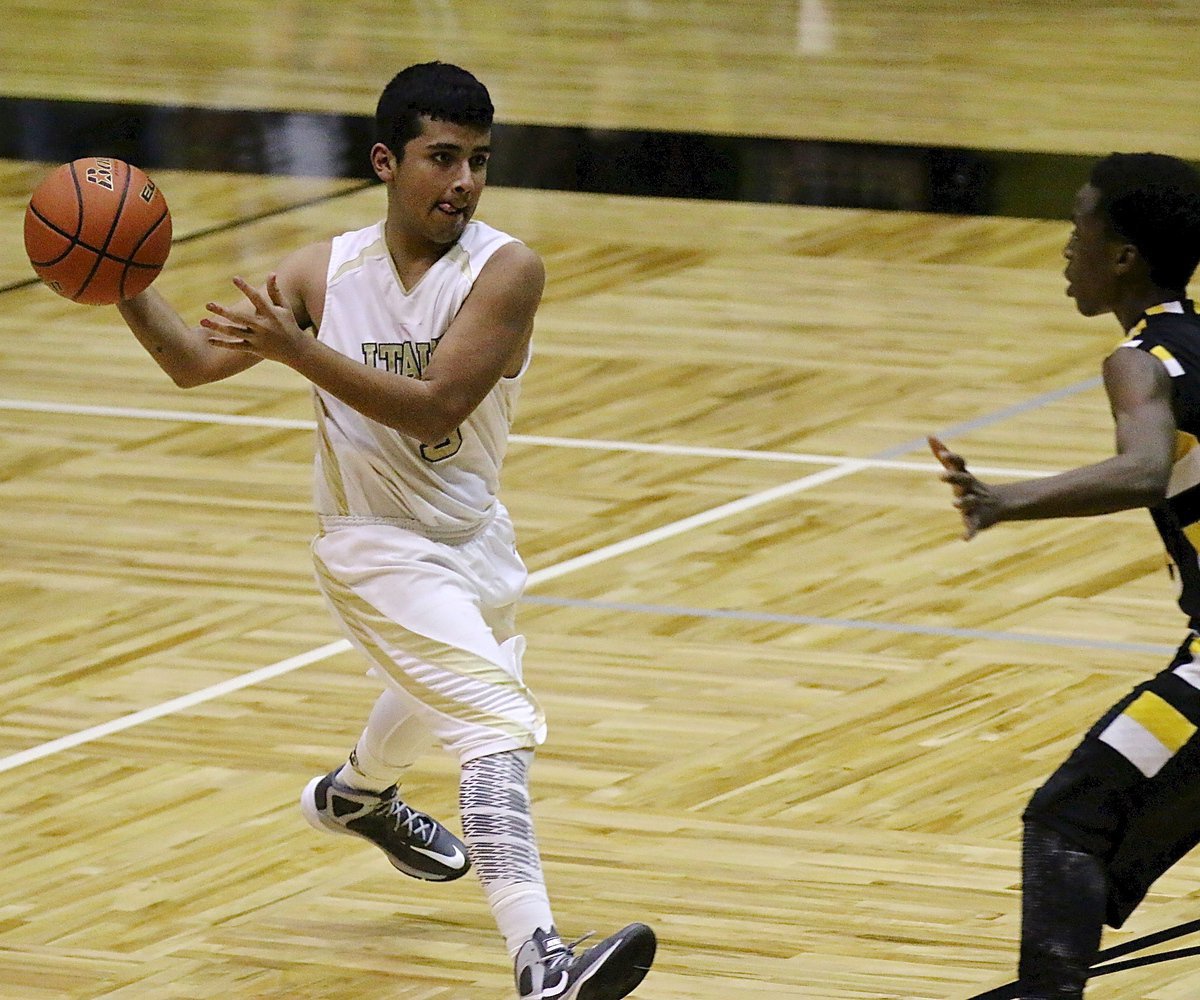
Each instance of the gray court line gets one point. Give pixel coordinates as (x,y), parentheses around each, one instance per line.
(860,624)
(966,426)
(844,468)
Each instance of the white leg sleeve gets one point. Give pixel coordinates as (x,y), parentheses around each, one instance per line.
(498,829)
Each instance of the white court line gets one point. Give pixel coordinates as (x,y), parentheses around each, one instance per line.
(839,467)
(174,705)
(334,648)
(170,416)
(695,521)
(699,451)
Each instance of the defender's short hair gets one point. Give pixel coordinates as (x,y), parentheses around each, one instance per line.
(1153,201)
(436,90)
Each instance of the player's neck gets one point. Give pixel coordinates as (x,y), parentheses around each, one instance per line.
(1134,304)
(412,253)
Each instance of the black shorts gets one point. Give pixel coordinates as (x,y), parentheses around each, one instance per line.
(1130,792)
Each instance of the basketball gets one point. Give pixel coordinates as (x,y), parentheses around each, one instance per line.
(97,230)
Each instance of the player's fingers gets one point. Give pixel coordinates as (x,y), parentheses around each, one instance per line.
(944,455)
(253,294)
(273,291)
(236,326)
(952,461)
(229,344)
(236,318)
(960,482)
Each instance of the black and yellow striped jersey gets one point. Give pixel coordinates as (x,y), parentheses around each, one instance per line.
(1171,332)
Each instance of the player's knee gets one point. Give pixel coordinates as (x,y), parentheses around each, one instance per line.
(1081,805)
(1040,805)
(1045,812)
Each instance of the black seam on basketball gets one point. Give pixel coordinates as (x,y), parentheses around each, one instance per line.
(225,227)
(78,203)
(76,242)
(102,253)
(138,246)
(107,254)
(72,242)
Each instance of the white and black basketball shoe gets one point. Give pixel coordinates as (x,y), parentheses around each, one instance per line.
(414,843)
(547,969)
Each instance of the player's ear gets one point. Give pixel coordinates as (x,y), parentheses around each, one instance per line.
(383,161)
(1125,257)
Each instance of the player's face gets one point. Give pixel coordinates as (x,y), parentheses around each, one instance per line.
(439,180)
(1092,254)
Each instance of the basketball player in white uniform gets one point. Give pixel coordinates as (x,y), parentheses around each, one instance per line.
(415,333)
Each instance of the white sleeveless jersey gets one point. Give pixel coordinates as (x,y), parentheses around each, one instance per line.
(366,472)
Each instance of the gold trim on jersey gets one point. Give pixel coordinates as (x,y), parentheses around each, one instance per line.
(1140,325)
(1162,719)
(1148,733)
(1185,472)
(460,255)
(376,249)
(330,469)
(1192,533)
(1185,475)
(1174,368)
(1190,671)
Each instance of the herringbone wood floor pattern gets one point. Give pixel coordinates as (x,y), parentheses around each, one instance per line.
(793,718)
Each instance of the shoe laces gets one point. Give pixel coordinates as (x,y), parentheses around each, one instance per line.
(416,825)
(564,954)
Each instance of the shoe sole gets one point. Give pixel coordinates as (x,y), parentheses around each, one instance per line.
(611,979)
(308,806)
(316,819)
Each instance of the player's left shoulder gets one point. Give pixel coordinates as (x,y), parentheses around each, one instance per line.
(515,265)
(1134,371)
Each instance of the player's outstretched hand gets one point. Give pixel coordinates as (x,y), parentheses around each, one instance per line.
(976,501)
(263,325)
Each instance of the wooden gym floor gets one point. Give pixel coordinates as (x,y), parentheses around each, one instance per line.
(794,718)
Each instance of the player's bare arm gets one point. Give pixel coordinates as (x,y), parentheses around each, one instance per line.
(1139,393)
(185,352)
(487,340)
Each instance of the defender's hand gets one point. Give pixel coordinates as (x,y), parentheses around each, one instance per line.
(977,503)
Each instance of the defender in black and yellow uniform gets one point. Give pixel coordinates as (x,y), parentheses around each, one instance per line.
(1125,806)
(1171,332)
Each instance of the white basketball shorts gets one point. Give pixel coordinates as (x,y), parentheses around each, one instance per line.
(437,623)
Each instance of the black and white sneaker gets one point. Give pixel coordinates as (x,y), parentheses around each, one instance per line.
(548,969)
(414,843)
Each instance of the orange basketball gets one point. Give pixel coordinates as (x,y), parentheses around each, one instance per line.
(97,230)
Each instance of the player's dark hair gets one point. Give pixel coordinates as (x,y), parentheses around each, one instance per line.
(436,90)
(1153,201)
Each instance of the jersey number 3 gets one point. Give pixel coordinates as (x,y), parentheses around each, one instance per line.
(443,449)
